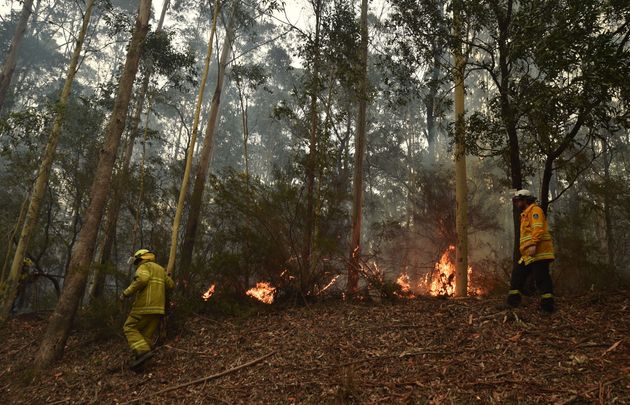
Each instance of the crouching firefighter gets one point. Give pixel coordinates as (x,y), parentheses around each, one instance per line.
(149,284)
(536,248)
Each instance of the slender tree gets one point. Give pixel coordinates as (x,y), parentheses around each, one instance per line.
(56,335)
(357,204)
(113,209)
(11,59)
(312,149)
(206,153)
(461,193)
(9,290)
(191,146)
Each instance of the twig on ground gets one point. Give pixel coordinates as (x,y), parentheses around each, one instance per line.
(200,380)
(598,387)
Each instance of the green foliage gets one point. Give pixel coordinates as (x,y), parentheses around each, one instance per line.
(161,56)
(257,236)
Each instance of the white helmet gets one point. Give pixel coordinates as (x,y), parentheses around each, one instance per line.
(523,194)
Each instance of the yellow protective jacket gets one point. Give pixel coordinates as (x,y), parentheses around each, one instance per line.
(150,283)
(535,231)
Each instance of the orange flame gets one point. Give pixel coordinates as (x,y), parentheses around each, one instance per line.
(405,286)
(441,282)
(327,286)
(263,292)
(206,296)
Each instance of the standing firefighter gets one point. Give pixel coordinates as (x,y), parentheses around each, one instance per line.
(149,284)
(536,248)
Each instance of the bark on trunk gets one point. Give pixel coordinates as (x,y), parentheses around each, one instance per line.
(191,146)
(58,329)
(113,210)
(11,60)
(205,156)
(312,157)
(357,204)
(504,18)
(39,189)
(461,192)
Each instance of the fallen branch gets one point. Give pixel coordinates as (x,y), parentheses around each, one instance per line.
(200,380)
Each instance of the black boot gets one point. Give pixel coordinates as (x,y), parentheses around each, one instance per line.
(140,359)
(547,305)
(514,299)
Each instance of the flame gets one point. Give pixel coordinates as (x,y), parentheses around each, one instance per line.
(263,292)
(441,282)
(405,286)
(329,284)
(206,296)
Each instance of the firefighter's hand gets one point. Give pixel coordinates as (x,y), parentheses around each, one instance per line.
(530,251)
(122,297)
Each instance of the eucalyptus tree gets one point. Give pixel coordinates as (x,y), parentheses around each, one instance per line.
(9,290)
(58,329)
(191,146)
(360,139)
(203,166)
(10,60)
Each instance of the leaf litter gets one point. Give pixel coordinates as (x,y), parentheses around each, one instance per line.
(421,350)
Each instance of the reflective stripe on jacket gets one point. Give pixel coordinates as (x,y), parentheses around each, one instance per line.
(535,232)
(150,282)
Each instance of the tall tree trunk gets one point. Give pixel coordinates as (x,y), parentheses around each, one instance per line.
(243,103)
(205,155)
(191,146)
(461,192)
(11,59)
(504,18)
(39,189)
(608,217)
(359,151)
(12,238)
(312,155)
(113,210)
(58,329)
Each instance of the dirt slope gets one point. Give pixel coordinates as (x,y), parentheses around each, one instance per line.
(425,350)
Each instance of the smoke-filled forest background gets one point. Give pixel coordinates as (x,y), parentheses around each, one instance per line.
(274,176)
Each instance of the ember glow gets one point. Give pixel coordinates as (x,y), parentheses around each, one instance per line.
(206,296)
(263,292)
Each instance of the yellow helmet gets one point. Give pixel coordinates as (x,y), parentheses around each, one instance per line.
(141,254)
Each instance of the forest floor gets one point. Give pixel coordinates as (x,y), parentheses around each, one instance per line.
(423,350)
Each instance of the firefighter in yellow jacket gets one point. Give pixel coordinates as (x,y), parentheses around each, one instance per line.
(149,284)
(536,248)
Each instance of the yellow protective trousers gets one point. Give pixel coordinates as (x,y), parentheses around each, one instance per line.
(140,329)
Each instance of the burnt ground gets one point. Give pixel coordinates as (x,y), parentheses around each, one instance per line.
(424,350)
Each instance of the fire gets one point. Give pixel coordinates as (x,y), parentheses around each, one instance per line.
(327,286)
(263,292)
(206,296)
(442,280)
(405,285)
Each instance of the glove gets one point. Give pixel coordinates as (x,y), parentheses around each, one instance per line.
(530,251)
(122,297)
